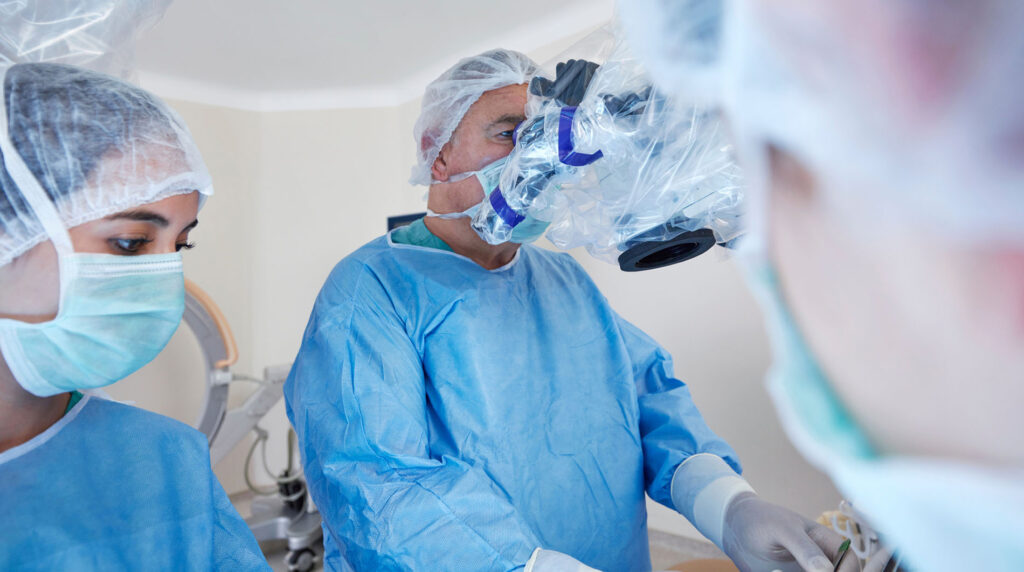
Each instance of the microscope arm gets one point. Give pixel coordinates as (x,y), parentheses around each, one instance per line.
(225,429)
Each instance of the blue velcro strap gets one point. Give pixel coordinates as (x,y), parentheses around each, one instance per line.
(565,152)
(507,213)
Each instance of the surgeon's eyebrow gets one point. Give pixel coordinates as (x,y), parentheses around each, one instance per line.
(143,216)
(510,118)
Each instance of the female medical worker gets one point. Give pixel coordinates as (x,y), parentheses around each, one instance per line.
(884,145)
(100,186)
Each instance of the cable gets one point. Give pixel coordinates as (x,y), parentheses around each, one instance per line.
(243,377)
(261,439)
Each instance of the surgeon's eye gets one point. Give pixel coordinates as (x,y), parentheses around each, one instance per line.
(184,246)
(128,245)
(507,134)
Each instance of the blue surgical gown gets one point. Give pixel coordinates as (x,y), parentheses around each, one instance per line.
(114,487)
(456,418)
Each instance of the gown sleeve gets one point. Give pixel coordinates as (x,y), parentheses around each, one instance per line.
(671,427)
(234,547)
(356,397)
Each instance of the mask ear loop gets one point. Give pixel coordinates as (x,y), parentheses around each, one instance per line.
(33,193)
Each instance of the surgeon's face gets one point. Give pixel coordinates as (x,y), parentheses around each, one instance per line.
(30,287)
(483,136)
(921,335)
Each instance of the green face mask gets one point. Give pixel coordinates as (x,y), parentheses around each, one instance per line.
(116,314)
(488,178)
(529,230)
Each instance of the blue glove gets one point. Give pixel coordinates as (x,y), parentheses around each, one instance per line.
(755,534)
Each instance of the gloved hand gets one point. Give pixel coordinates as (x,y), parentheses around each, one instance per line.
(759,535)
(570,85)
(554,561)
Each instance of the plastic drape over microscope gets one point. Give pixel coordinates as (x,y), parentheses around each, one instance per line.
(605,160)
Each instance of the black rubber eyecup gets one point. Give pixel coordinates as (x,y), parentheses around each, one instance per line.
(651,255)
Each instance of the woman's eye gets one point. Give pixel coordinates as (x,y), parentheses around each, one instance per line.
(128,245)
(184,246)
(507,134)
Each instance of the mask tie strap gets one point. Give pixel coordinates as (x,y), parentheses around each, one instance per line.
(33,193)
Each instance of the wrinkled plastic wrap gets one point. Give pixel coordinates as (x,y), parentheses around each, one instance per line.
(628,164)
(97,34)
(905,113)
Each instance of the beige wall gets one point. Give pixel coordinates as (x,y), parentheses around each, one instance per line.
(703,314)
(294,193)
(297,191)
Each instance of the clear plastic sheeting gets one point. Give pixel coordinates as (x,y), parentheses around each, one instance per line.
(905,113)
(624,165)
(98,34)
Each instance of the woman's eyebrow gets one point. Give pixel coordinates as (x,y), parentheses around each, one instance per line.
(142,216)
(190,225)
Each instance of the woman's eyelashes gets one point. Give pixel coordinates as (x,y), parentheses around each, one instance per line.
(128,245)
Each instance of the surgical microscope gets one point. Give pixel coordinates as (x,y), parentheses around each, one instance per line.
(608,161)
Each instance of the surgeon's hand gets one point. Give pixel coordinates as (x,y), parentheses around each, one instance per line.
(760,536)
(570,85)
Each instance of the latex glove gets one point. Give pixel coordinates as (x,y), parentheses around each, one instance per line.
(759,535)
(885,559)
(554,561)
(570,85)
(755,534)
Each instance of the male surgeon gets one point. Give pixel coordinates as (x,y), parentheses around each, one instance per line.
(466,406)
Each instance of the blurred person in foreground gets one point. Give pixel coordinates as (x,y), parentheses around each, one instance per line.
(883,143)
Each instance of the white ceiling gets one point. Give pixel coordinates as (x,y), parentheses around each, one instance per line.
(314,54)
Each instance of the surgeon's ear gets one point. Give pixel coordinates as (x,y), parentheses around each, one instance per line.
(439,170)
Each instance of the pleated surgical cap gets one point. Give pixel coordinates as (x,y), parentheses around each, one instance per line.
(449,97)
(96,145)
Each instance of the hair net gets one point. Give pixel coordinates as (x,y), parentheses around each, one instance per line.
(615,163)
(95,144)
(78,145)
(449,97)
(94,33)
(904,112)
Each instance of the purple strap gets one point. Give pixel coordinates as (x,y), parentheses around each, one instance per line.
(565,150)
(505,212)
